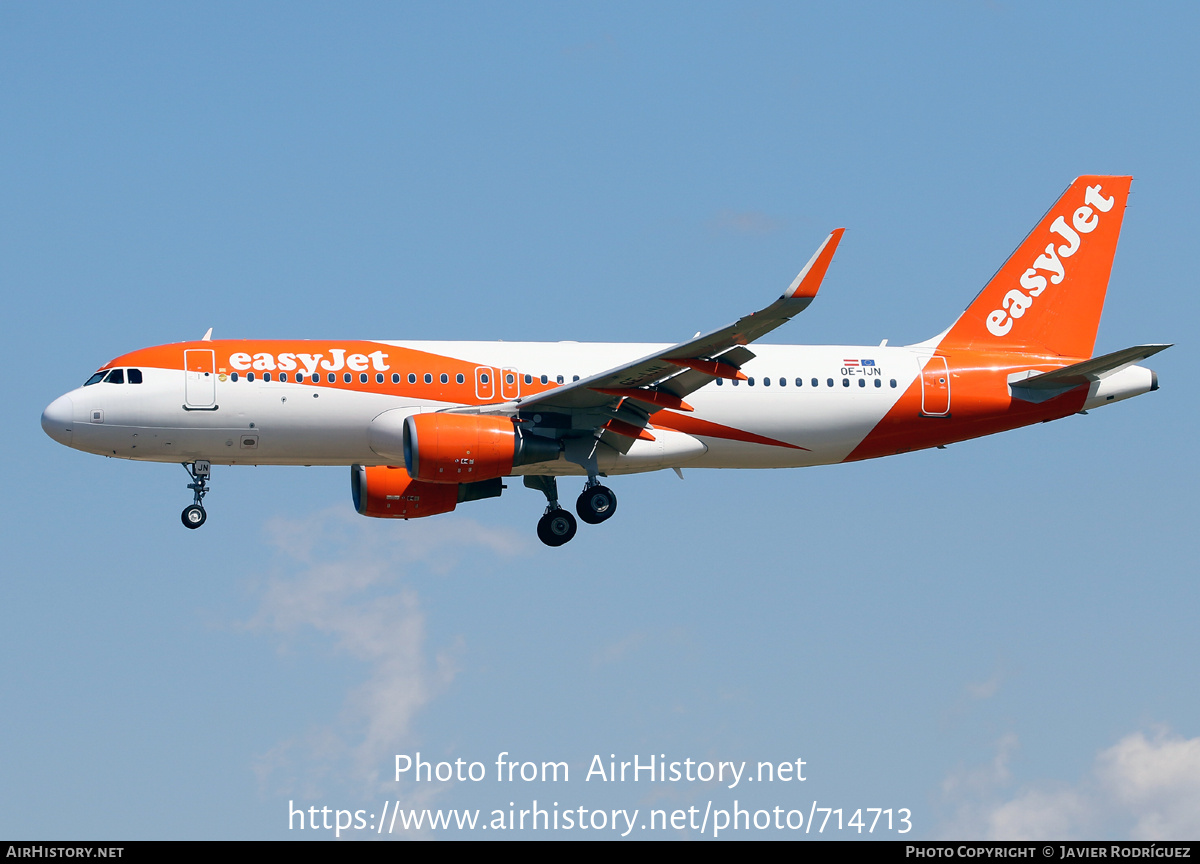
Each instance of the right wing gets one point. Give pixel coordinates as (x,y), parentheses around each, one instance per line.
(661,380)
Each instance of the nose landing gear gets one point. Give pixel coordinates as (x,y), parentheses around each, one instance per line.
(193,515)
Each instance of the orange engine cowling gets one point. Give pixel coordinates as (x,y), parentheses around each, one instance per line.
(464,448)
(388,492)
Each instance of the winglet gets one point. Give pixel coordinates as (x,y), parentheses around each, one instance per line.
(207,336)
(809,279)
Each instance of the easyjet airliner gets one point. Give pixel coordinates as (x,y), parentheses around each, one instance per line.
(425,426)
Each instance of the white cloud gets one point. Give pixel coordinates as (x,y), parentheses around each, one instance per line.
(1142,788)
(341,578)
(1158,781)
(982,779)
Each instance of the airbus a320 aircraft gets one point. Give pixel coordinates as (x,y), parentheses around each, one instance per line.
(425,426)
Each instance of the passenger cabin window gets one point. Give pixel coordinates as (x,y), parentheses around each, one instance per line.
(249,376)
(545,379)
(878,382)
(845,382)
(283,377)
(266,376)
(299,377)
(799,382)
(395,377)
(135,376)
(233,376)
(378,377)
(362,377)
(445,379)
(412,377)
(814,383)
(528,379)
(333,378)
(484,378)
(767,382)
(346,376)
(720,382)
(459,379)
(862,382)
(783,382)
(559,379)
(893,382)
(749,382)
(428,377)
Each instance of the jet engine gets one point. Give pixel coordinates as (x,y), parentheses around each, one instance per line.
(462,448)
(387,492)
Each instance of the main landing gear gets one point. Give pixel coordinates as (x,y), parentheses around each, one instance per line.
(193,515)
(557,526)
(595,503)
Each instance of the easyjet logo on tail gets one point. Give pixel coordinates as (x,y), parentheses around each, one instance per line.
(1084,221)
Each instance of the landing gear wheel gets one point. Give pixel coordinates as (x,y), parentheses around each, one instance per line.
(596,504)
(193,516)
(556,527)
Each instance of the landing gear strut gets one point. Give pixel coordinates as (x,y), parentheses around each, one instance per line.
(596,502)
(193,515)
(557,526)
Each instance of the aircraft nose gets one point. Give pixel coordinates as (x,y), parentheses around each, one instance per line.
(58,419)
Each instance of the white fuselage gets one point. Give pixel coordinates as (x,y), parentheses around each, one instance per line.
(276,423)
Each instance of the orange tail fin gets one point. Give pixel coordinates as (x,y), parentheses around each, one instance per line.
(1049,294)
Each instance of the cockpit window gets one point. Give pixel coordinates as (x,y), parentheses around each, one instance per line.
(116,376)
(95,379)
(135,376)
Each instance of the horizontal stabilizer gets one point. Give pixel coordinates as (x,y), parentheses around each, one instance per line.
(1040,386)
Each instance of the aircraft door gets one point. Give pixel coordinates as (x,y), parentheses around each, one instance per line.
(200,379)
(935,388)
(485,383)
(510,384)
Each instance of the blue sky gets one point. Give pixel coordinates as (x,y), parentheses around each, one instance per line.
(999,636)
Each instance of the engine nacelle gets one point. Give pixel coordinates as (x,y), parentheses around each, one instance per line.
(387,492)
(463,448)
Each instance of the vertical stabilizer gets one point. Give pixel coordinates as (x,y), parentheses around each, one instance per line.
(1048,296)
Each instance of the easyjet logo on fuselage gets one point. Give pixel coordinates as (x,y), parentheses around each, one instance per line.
(1017,303)
(338,359)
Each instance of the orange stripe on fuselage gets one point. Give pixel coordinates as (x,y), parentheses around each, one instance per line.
(980,404)
(695,426)
(265,356)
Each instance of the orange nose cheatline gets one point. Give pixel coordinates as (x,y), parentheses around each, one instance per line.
(58,419)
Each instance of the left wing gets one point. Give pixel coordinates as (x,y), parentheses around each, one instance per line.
(661,380)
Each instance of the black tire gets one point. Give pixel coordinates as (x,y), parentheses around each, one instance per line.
(596,504)
(556,527)
(193,516)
